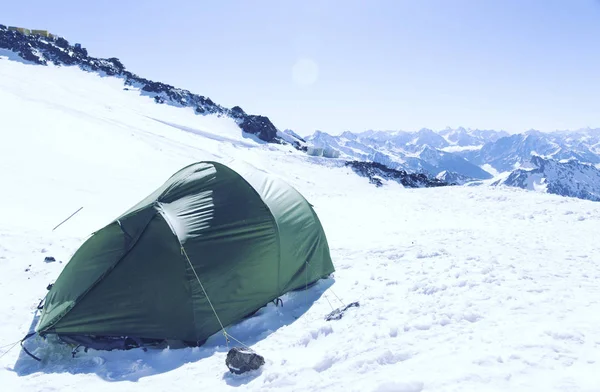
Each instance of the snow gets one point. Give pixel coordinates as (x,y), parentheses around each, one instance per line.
(537,182)
(490,169)
(460,148)
(12,56)
(460,288)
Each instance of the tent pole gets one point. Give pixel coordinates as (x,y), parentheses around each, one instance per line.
(70,216)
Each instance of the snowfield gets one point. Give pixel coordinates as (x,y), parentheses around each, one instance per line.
(460,288)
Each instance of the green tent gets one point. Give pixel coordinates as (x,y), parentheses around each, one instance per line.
(209,237)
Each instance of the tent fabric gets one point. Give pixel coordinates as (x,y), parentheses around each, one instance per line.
(301,235)
(249,236)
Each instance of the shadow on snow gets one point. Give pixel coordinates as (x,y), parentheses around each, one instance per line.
(132,365)
(220,138)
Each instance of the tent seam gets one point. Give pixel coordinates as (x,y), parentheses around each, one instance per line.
(159,209)
(322,234)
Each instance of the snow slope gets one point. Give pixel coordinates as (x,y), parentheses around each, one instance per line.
(460,288)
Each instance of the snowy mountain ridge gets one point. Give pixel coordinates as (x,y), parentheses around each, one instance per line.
(43,50)
(418,152)
(510,152)
(463,155)
(501,151)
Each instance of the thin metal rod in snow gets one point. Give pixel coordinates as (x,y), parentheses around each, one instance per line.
(70,216)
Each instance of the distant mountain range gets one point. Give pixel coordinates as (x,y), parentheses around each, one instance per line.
(460,156)
(421,151)
(508,153)
(566,178)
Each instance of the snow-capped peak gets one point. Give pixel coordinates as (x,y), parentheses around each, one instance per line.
(565,177)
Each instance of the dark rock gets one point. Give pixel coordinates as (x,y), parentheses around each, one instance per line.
(153,87)
(300,147)
(49,259)
(238,112)
(260,126)
(339,312)
(82,51)
(117,63)
(376,171)
(240,360)
(61,42)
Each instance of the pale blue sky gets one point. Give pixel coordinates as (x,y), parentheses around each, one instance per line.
(511,64)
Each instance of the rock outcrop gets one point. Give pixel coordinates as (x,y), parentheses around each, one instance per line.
(378,173)
(43,50)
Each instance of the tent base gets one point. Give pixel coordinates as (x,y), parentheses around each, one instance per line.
(109,343)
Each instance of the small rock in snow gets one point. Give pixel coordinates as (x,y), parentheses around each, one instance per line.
(240,360)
